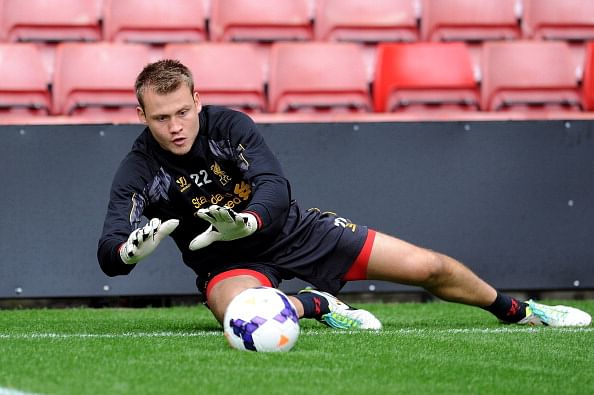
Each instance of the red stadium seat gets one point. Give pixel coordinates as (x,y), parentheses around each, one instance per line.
(570,20)
(155,21)
(469,20)
(529,76)
(424,76)
(318,77)
(229,74)
(262,20)
(23,86)
(366,21)
(588,85)
(97,80)
(51,21)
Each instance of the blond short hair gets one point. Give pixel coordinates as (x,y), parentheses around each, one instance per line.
(164,76)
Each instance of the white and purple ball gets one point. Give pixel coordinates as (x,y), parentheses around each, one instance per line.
(261,319)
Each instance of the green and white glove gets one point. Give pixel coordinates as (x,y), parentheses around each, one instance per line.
(225,225)
(144,240)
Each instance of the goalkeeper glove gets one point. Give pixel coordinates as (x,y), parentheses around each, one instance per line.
(225,225)
(144,240)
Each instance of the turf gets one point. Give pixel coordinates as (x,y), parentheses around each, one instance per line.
(433,348)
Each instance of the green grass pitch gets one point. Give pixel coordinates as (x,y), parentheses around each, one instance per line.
(432,348)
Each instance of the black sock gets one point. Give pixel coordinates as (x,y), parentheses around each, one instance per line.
(507,309)
(314,306)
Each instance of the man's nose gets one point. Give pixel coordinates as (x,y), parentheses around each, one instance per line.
(175,126)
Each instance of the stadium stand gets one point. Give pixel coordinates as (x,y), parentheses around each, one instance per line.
(23,86)
(164,21)
(529,76)
(97,80)
(261,21)
(366,21)
(318,77)
(51,21)
(217,77)
(588,83)
(424,77)
(209,35)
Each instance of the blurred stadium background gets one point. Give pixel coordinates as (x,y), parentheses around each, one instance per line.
(477,114)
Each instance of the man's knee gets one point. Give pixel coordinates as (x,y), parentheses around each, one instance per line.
(224,287)
(432,267)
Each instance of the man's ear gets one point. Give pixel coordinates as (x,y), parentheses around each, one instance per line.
(198,102)
(141,114)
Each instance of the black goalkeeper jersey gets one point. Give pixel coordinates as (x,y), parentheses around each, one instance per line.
(229,164)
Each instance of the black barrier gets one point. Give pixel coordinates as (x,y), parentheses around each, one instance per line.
(513,200)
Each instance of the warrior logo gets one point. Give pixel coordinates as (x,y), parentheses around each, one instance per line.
(183,183)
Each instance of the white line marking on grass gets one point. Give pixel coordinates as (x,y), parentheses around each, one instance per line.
(10,391)
(106,335)
(425,331)
(520,329)
(305,332)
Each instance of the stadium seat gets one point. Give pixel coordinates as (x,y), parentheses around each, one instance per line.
(261,21)
(51,21)
(570,20)
(23,86)
(588,83)
(154,22)
(318,77)
(48,23)
(97,80)
(529,76)
(424,77)
(229,74)
(469,20)
(366,21)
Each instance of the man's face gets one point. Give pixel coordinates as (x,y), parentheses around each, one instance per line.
(172,118)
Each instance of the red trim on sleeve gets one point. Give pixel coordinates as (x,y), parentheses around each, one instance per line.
(258,219)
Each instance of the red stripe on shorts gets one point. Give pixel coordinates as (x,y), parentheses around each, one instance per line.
(265,281)
(359,269)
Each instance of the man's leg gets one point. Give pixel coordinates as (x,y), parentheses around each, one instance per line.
(223,292)
(395,260)
(225,286)
(324,307)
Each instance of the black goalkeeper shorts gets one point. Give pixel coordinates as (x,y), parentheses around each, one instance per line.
(325,250)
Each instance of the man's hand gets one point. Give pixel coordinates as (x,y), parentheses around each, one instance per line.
(225,225)
(144,240)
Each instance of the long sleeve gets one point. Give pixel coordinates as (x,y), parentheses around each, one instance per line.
(124,211)
(271,195)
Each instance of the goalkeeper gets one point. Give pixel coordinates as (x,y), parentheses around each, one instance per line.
(205,176)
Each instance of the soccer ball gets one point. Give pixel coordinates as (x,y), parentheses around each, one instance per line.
(261,319)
